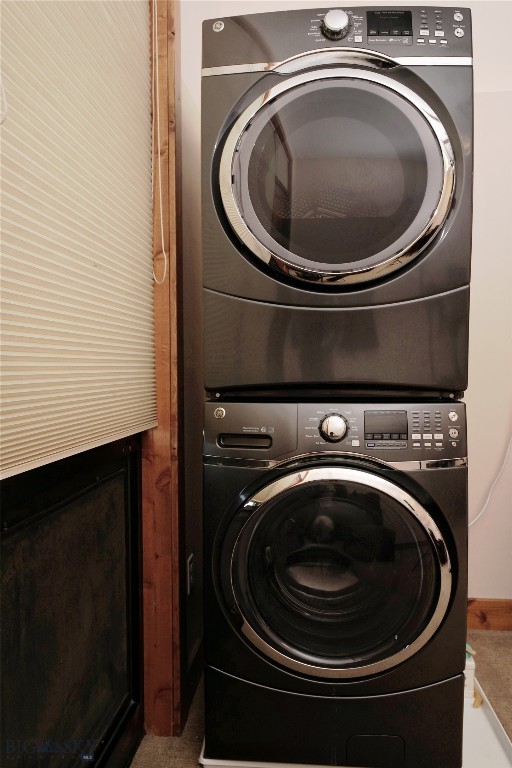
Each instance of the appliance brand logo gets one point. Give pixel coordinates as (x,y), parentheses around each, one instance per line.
(219,413)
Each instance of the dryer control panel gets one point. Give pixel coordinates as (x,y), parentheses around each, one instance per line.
(391,431)
(395,31)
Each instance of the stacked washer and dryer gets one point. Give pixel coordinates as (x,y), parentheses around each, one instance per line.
(336,208)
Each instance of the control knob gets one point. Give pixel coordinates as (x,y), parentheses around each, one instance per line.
(333,427)
(335,24)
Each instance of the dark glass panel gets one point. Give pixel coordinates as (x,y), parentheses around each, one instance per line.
(336,173)
(339,573)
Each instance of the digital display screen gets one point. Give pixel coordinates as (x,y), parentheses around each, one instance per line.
(391,23)
(386,423)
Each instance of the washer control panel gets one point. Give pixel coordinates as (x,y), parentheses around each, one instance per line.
(390,431)
(421,430)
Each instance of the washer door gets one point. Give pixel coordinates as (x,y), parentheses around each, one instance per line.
(337,176)
(338,572)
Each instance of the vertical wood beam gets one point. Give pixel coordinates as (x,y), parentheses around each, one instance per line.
(160,508)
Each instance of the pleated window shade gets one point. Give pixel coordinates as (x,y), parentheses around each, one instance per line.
(77,296)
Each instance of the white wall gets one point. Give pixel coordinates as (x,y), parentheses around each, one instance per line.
(489,397)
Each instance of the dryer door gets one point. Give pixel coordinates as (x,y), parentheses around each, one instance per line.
(338,572)
(337,176)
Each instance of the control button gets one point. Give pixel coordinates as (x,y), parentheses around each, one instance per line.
(458,16)
(416,436)
(438,436)
(444,42)
(432,42)
(358,39)
(439,33)
(333,427)
(377,436)
(425,32)
(335,24)
(403,436)
(439,445)
(356,443)
(416,445)
(453,432)
(370,445)
(459,32)
(421,40)
(368,435)
(427,436)
(395,436)
(453,416)
(373,31)
(388,444)
(407,32)
(428,445)
(396,32)
(386,436)
(454,444)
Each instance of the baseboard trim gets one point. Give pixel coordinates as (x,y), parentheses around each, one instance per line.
(486,613)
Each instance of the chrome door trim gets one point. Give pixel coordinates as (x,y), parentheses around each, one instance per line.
(332,57)
(314,274)
(317,58)
(300,478)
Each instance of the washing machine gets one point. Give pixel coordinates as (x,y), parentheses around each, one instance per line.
(337,200)
(335,583)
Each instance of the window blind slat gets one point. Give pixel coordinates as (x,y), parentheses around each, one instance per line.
(79,282)
(70,186)
(77,352)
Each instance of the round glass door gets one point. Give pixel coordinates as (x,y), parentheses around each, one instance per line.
(337,176)
(339,573)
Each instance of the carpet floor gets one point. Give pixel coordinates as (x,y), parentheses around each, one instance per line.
(493,671)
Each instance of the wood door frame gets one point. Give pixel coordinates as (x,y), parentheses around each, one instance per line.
(160,479)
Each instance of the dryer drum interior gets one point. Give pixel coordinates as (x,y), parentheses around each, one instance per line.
(338,572)
(337,176)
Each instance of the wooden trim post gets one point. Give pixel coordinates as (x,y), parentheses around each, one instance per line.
(160,508)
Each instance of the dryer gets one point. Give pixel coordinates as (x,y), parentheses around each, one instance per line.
(337,200)
(335,583)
